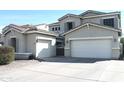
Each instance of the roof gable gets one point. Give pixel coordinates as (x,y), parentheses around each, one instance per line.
(26,29)
(20,29)
(68,15)
(92,24)
(8,29)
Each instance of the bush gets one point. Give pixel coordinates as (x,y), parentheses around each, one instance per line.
(6,55)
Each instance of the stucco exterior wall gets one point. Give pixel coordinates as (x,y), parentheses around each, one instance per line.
(69,19)
(32,40)
(26,43)
(31,43)
(20,40)
(50,27)
(52,39)
(92,31)
(99,20)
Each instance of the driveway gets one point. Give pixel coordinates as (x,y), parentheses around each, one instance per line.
(62,69)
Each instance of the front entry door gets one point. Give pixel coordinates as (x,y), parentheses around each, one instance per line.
(13,43)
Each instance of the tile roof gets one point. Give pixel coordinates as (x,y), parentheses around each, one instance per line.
(26,29)
(21,28)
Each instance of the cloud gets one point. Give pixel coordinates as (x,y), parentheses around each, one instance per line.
(1,27)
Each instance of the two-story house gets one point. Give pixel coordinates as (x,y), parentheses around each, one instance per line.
(92,34)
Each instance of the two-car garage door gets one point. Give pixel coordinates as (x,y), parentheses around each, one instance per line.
(91,48)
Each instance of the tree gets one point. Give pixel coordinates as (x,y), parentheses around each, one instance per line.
(122,41)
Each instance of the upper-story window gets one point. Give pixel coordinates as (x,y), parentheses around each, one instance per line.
(56,29)
(69,25)
(53,29)
(109,22)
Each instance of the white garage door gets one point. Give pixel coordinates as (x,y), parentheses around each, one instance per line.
(91,48)
(43,48)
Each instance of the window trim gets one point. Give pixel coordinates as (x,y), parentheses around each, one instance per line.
(108,21)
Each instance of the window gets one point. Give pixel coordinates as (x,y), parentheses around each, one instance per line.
(52,29)
(56,28)
(69,25)
(58,43)
(109,22)
(119,33)
(13,43)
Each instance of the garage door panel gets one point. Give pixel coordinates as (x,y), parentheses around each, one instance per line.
(91,48)
(43,48)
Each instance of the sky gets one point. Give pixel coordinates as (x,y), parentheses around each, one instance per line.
(34,17)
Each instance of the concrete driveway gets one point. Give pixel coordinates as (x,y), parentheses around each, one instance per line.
(61,69)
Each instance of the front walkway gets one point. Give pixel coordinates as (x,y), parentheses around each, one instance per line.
(63,69)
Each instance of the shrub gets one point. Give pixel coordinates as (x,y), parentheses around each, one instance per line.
(122,40)
(6,55)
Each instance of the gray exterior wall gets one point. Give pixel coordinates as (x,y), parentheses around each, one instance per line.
(26,43)
(76,21)
(20,40)
(99,20)
(61,24)
(31,43)
(54,26)
(93,32)
(53,42)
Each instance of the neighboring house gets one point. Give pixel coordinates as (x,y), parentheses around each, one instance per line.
(29,39)
(91,34)
(42,26)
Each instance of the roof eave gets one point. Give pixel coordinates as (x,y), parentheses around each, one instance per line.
(17,30)
(68,15)
(56,23)
(32,32)
(107,14)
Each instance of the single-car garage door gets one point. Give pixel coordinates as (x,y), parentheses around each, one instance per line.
(91,48)
(43,48)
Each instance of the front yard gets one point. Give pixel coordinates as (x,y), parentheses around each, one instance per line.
(59,69)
